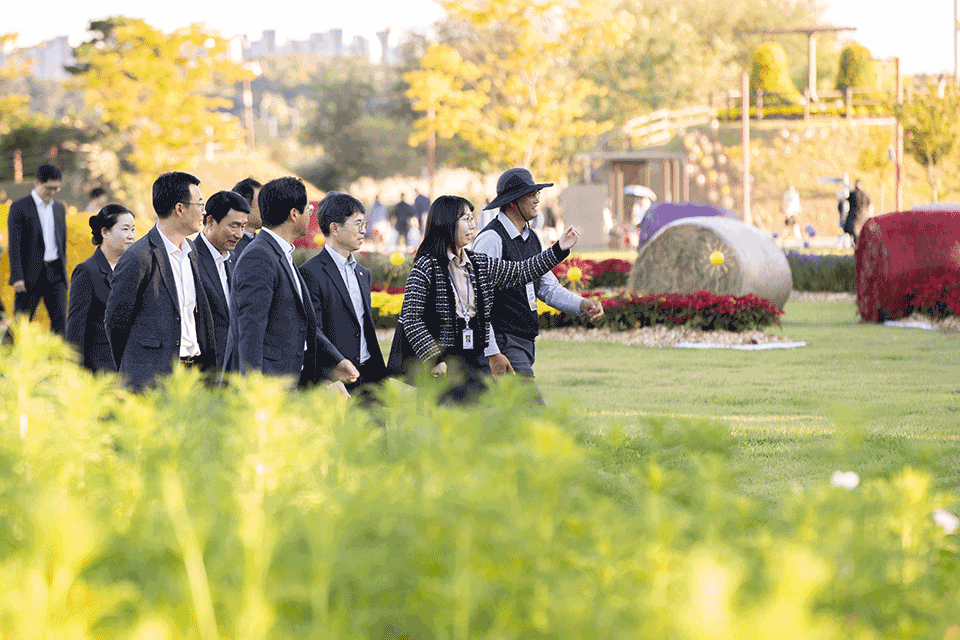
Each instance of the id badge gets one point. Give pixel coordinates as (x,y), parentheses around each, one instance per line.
(468,339)
(531,296)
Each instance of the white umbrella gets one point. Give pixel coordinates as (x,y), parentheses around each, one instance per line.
(639,191)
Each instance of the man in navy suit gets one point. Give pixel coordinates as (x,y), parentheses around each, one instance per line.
(273,328)
(223,224)
(37,230)
(250,190)
(157,312)
(340,289)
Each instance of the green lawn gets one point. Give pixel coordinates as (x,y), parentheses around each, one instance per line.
(884,396)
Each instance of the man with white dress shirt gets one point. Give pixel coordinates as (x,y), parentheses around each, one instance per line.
(223,226)
(340,289)
(273,329)
(37,231)
(157,313)
(514,318)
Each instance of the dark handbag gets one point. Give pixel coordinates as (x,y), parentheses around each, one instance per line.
(402,356)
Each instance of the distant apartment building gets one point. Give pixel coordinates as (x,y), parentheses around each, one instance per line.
(47,59)
(329,44)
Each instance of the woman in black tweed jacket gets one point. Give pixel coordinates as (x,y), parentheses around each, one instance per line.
(449,294)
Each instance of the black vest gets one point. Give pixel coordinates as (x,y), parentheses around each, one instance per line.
(511,311)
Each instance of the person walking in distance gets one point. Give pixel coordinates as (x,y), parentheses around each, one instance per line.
(37,231)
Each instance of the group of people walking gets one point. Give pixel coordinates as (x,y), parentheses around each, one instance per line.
(231,300)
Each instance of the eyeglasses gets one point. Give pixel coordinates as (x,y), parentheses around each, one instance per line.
(200,204)
(470,220)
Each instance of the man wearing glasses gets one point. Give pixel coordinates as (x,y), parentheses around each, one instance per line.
(37,229)
(158,312)
(340,289)
(273,328)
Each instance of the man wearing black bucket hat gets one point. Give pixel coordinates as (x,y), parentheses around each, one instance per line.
(514,316)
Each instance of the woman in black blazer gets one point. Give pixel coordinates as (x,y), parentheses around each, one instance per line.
(113,231)
(448,297)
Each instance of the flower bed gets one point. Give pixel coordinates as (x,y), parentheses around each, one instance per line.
(700,310)
(937,298)
(813,272)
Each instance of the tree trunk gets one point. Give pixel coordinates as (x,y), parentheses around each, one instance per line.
(933,180)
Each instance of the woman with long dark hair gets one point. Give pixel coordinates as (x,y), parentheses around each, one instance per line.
(112,229)
(445,318)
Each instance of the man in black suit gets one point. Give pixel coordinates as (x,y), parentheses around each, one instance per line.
(157,312)
(223,224)
(250,190)
(37,230)
(340,289)
(273,328)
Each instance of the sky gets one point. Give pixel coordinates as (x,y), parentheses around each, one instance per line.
(917,31)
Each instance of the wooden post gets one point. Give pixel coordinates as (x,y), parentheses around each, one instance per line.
(18,166)
(745,142)
(759,104)
(848,101)
(898,196)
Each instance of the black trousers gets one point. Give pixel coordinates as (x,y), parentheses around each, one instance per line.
(466,375)
(52,288)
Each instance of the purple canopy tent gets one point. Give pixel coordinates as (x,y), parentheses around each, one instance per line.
(661,214)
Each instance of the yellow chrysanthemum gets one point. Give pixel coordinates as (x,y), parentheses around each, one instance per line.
(543,307)
(574,274)
(396,258)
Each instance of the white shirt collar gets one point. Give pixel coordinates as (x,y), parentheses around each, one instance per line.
(217,256)
(171,248)
(511,228)
(338,257)
(39,201)
(285,246)
(455,260)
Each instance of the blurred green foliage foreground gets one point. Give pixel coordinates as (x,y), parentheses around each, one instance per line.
(254,513)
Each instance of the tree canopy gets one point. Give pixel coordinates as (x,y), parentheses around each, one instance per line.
(509,78)
(930,127)
(158,96)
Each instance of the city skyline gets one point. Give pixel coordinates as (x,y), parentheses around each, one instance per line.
(908,35)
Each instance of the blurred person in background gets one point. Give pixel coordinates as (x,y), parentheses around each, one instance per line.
(37,235)
(250,190)
(402,213)
(98,200)
(114,230)
(421,204)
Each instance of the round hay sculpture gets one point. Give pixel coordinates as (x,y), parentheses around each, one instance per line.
(682,258)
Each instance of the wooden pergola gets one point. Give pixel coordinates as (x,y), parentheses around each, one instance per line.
(812,34)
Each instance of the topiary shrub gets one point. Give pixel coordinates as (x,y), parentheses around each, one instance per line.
(768,72)
(856,68)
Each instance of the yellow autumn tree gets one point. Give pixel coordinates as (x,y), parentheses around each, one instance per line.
(159,96)
(13,105)
(507,77)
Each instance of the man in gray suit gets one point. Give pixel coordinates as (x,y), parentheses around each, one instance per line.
(157,313)
(37,230)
